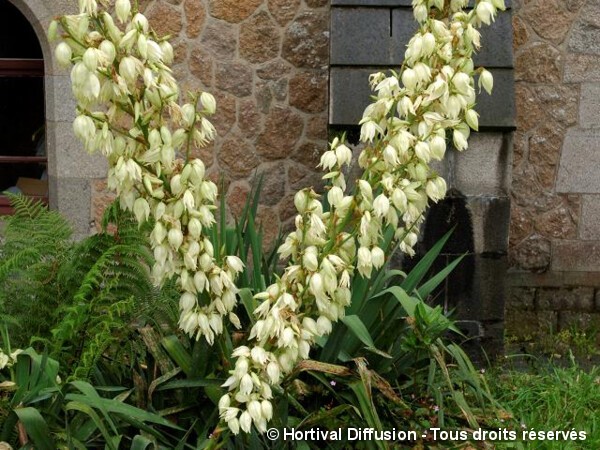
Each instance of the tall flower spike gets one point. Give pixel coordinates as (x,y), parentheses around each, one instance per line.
(434,94)
(141,127)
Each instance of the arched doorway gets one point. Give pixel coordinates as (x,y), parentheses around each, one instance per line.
(23,156)
(72,173)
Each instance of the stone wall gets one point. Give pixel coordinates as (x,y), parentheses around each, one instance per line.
(266,63)
(555,234)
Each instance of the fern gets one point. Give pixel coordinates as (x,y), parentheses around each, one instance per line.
(107,278)
(35,244)
(82,300)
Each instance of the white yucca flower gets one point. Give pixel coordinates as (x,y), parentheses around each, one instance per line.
(123,9)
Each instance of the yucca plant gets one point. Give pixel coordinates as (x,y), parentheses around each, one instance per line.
(383,373)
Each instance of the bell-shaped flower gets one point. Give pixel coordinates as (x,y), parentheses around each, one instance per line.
(123,9)
(63,54)
(487,81)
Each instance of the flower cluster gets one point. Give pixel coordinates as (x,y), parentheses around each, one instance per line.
(128,108)
(403,130)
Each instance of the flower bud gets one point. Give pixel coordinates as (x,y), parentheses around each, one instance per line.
(141,210)
(53,31)
(187,301)
(487,81)
(90,59)
(485,12)
(140,22)
(63,54)
(409,79)
(381,205)
(175,238)
(142,45)
(499,4)
(208,102)
(377,257)
(123,9)
(335,196)
(471,117)
(301,201)
(127,69)
(188,113)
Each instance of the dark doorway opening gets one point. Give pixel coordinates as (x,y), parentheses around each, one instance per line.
(23,158)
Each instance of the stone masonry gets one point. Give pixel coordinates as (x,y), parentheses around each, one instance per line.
(554,233)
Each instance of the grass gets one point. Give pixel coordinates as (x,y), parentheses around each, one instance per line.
(552,398)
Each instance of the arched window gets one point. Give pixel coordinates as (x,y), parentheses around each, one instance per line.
(23,158)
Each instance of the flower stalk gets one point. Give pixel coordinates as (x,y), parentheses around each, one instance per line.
(128,109)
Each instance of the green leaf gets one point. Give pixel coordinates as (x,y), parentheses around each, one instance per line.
(179,354)
(249,303)
(162,379)
(358,328)
(408,303)
(127,412)
(36,427)
(141,443)
(428,287)
(89,391)
(190,383)
(420,270)
(89,411)
(256,247)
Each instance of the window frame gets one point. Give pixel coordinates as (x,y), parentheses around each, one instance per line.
(19,68)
